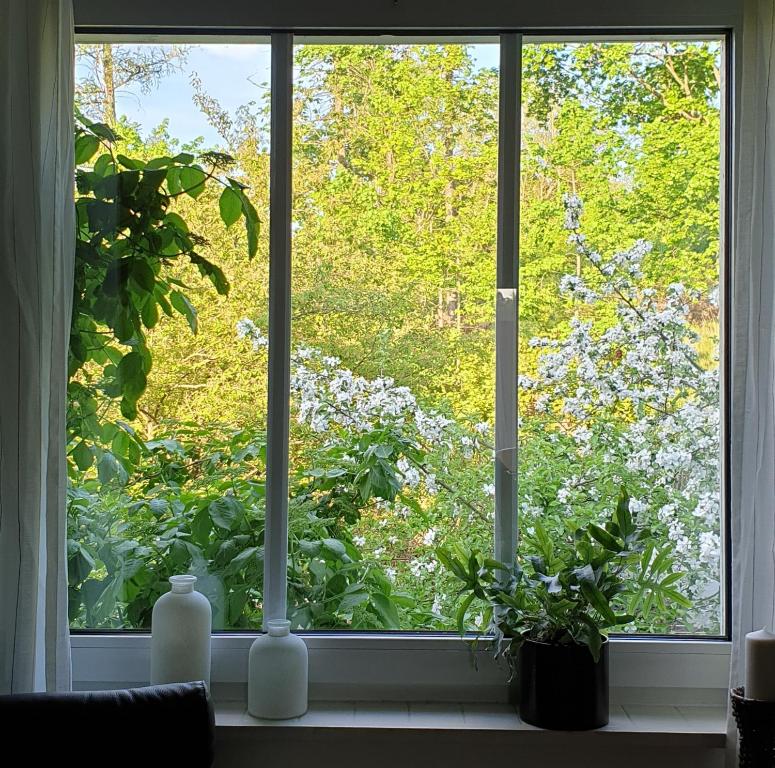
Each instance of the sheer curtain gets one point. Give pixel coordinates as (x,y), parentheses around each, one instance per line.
(753,341)
(36,284)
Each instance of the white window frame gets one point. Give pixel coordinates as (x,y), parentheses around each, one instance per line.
(407,666)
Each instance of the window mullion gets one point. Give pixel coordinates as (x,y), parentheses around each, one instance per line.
(509,140)
(278,405)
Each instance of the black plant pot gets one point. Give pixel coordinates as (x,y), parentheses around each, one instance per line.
(561,687)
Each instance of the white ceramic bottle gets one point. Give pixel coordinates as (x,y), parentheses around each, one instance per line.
(277,673)
(181,624)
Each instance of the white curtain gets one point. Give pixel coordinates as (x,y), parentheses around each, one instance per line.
(753,341)
(36,283)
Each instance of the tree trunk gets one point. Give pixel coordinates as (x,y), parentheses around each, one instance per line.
(108,79)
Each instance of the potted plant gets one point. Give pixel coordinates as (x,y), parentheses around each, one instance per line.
(551,612)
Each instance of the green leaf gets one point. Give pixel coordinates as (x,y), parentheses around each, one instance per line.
(83,456)
(623,516)
(143,275)
(598,601)
(387,612)
(251,225)
(163,303)
(149,312)
(318,569)
(120,444)
(352,600)
(79,566)
(192,180)
(185,307)
(603,537)
(235,605)
(201,526)
(104,165)
(244,559)
(85,147)
(226,512)
(176,220)
(173,181)
(127,182)
(677,597)
(152,179)
(594,641)
(213,272)
(671,578)
(449,561)
(131,163)
(103,131)
(128,408)
(335,546)
(109,469)
(230,206)
(460,617)
(131,375)
(157,163)
(159,507)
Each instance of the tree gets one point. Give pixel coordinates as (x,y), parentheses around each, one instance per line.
(110,68)
(130,242)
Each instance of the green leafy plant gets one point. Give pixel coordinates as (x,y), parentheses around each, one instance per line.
(196,504)
(574,589)
(130,244)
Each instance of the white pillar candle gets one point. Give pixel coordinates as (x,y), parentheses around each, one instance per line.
(760,665)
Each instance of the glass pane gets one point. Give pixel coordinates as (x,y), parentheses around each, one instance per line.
(395,198)
(619,312)
(166,432)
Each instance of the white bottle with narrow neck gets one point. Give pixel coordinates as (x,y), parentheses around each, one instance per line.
(181,625)
(277,673)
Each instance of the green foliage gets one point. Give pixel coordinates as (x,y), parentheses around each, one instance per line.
(197,506)
(573,589)
(395,190)
(130,241)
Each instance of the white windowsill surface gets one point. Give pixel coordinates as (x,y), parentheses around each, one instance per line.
(418,669)
(676,726)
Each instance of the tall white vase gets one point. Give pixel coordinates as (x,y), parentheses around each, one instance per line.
(277,673)
(181,624)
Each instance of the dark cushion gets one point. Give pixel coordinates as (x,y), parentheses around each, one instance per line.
(163,725)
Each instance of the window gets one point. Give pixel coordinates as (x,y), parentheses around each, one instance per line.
(401,304)
(393,342)
(167,416)
(619,299)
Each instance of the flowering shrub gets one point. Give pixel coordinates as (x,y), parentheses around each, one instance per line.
(625,398)
(402,476)
(380,480)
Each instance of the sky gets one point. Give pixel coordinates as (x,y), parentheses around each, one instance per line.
(233,73)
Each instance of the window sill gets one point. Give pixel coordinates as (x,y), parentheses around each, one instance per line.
(664,726)
(416,668)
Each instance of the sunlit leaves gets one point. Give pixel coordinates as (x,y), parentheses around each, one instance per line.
(129,241)
(85,147)
(230,206)
(192,180)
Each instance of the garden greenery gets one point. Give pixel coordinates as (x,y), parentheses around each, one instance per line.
(392,367)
